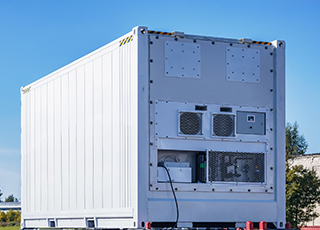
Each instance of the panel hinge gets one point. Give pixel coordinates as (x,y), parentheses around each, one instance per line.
(245,40)
(178,34)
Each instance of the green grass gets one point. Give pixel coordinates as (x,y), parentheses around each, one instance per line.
(10,228)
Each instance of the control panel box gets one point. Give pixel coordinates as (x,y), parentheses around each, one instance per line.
(251,123)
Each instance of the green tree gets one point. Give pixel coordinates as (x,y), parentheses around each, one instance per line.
(302,185)
(10,215)
(2,216)
(18,216)
(0,195)
(296,144)
(302,195)
(11,198)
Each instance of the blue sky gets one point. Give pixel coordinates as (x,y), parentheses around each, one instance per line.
(38,37)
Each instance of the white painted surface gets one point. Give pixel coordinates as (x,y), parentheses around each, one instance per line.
(243,65)
(182,60)
(219,201)
(79,141)
(92,133)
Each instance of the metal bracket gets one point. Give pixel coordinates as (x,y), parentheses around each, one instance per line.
(178,34)
(245,40)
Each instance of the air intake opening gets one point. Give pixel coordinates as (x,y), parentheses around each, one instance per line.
(201,107)
(190,123)
(226,109)
(236,167)
(223,125)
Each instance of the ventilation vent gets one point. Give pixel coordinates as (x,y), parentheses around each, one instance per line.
(190,123)
(236,167)
(223,125)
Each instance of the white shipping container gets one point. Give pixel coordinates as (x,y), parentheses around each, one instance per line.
(97,133)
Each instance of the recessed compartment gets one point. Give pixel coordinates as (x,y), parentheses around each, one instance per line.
(235,167)
(183,166)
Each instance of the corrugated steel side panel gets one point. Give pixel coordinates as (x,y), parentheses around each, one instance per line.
(79,139)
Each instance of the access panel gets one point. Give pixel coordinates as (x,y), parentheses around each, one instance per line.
(251,123)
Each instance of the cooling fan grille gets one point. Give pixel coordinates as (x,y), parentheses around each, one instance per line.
(223,125)
(190,123)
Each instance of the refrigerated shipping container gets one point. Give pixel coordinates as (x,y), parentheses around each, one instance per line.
(170,129)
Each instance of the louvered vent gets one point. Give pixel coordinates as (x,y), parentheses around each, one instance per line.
(236,167)
(223,125)
(190,123)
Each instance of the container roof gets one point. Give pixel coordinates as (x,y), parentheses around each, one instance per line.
(10,205)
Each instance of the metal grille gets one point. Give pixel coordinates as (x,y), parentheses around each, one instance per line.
(190,123)
(223,125)
(236,167)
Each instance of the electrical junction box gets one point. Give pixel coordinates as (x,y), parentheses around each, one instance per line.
(177,174)
(212,110)
(174,164)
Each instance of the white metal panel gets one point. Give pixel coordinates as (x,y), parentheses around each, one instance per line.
(65,144)
(57,145)
(37,153)
(83,121)
(201,145)
(31,157)
(243,65)
(43,149)
(71,223)
(89,214)
(107,131)
(51,160)
(193,210)
(213,85)
(72,140)
(25,145)
(35,222)
(167,121)
(111,223)
(141,114)
(182,60)
(80,129)
(116,129)
(88,114)
(214,90)
(97,135)
(280,130)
